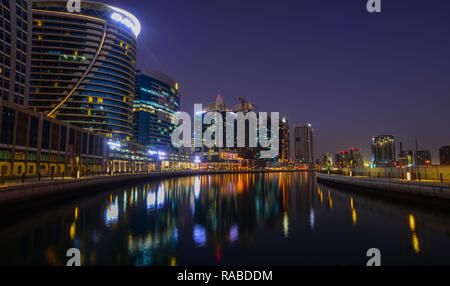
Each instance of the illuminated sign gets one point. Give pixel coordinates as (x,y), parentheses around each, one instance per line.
(127,19)
(114,145)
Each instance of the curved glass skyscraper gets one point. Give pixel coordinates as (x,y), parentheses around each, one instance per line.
(83,65)
(157,100)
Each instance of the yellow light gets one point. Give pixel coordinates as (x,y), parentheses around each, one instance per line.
(412,223)
(90,99)
(408,176)
(330,200)
(176,85)
(351,203)
(354,216)
(75,53)
(173,261)
(76,213)
(415,243)
(72,231)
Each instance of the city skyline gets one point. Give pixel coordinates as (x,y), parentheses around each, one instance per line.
(224,133)
(332,59)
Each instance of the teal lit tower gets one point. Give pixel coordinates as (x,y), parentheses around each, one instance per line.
(157,101)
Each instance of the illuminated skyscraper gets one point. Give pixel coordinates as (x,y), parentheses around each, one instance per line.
(157,101)
(383,151)
(355,158)
(284,135)
(83,66)
(303,144)
(15,50)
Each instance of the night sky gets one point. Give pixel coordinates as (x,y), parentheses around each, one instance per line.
(352,74)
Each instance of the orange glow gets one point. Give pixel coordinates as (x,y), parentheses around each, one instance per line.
(412,223)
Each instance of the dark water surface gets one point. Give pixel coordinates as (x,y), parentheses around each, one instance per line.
(238,219)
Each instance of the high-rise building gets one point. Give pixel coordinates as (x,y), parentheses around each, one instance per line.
(15,50)
(327,161)
(351,158)
(383,151)
(444,155)
(284,148)
(405,157)
(83,65)
(157,100)
(355,158)
(422,158)
(303,144)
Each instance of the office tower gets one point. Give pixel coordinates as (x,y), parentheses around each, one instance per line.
(422,158)
(303,144)
(327,161)
(251,153)
(15,50)
(444,155)
(355,158)
(383,151)
(284,148)
(342,159)
(157,100)
(83,66)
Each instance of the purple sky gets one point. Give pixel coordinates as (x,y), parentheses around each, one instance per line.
(352,74)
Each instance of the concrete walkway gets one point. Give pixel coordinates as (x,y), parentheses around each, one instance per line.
(421,188)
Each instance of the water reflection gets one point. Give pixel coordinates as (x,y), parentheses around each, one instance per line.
(239,219)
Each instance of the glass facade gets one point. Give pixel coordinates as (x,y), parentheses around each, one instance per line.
(83,66)
(157,101)
(15,16)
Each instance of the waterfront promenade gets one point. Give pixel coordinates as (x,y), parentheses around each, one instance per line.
(428,188)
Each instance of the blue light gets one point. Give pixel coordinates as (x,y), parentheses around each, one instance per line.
(127,19)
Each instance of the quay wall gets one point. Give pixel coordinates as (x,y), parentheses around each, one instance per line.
(411,188)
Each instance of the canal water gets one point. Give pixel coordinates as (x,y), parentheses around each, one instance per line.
(236,219)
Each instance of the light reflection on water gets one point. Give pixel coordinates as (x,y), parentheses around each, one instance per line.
(239,219)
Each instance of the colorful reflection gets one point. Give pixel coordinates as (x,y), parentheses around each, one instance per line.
(274,218)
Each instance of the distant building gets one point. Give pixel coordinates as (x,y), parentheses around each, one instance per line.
(351,158)
(327,161)
(341,159)
(284,150)
(383,151)
(303,144)
(405,157)
(444,155)
(355,158)
(156,101)
(422,158)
